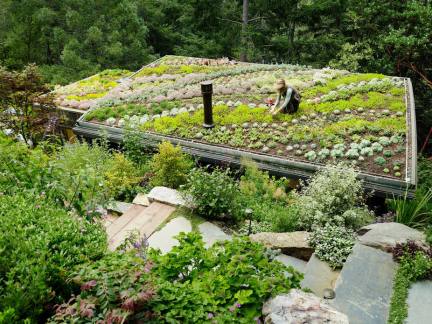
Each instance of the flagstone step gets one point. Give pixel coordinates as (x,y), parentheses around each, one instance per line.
(144,222)
(117,225)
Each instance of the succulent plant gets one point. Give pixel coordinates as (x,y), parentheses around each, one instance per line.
(386,170)
(377,147)
(384,141)
(311,155)
(289,148)
(365,143)
(380,160)
(388,153)
(323,154)
(398,174)
(335,153)
(352,153)
(367,151)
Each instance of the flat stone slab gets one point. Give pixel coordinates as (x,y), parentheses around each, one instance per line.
(297,264)
(385,236)
(319,276)
(141,199)
(166,196)
(164,239)
(211,233)
(119,207)
(419,302)
(292,243)
(364,287)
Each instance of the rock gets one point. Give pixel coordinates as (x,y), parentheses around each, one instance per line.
(287,260)
(319,276)
(300,307)
(365,285)
(293,243)
(141,199)
(119,207)
(211,233)
(164,239)
(329,293)
(385,236)
(419,295)
(166,196)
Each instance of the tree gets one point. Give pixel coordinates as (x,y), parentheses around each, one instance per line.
(25,104)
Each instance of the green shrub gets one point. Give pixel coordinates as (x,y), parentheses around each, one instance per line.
(212,194)
(170,166)
(333,195)
(40,244)
(227,283)
(333,244)
(114,289)
(133,147)
(268,199)
(122,177)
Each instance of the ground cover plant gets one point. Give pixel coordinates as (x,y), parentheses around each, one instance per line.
(415,263)
(342,116)
(226,283)
(40,245)
(83,94)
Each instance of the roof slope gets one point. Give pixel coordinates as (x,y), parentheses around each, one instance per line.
(343,116)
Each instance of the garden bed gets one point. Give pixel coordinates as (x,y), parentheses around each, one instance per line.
(365,119)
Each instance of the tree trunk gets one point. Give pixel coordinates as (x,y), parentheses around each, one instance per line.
(245,18)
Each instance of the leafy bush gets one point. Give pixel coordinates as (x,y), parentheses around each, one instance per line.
(122,177)
(333,195)
(40,244)
(78,176)
(114,289)
(212,194)
(227,283)
(268,199)
(170,166)
(332,244)
(134,148)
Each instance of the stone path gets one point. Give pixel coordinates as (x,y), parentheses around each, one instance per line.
(365,285)
(288,260)
(212,233)
(139,218)
(318,276)
(419,302)
(164,239)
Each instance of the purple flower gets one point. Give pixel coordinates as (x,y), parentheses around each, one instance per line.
(210,315)
(237,305)
(231,309)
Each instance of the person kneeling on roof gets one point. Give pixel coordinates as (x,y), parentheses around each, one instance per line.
(288,96)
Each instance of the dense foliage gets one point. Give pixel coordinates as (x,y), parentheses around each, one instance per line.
(212,194)
(225,283)
(40,245)
(77,177)
(333,195)
(170,166)
(25,106)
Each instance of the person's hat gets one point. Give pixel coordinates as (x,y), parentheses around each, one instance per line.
(280,84)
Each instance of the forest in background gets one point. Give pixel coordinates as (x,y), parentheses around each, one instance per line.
(72,39)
